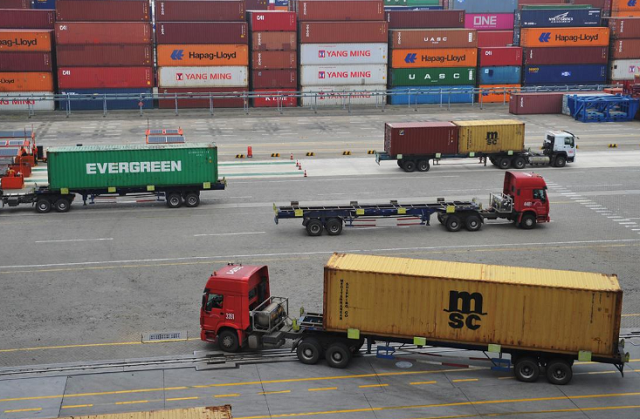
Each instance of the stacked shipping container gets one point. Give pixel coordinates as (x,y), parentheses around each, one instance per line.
(499,72)
(625,8)
(493,19)
(625,48)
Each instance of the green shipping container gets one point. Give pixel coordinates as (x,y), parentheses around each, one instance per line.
(132,166)
(432,76)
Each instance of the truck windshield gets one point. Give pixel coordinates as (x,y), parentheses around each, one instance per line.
(569,141)
(213,301)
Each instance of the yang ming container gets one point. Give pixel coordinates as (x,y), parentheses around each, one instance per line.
(218,97)
(490,136)
(425,58)
(138,55)
(103,10)
(329,54)
(420,138)
(557,56)
(564,37)
(432,76)
(349,75)
(27,19)
(624,69)
(500,75)
(422,19)
(94,99)
(555,18)
(271,79)
(221,76)
(25,61)
(565,74)
(199,10)
(201,33)
(431,95)
(274,41)
(104,33)
(328,10)
(341,32)
(433,38)
(104,77)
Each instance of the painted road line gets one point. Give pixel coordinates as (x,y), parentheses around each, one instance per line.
(77,406)
(419,383)
(134,402)
(265,393)
(230,234)
(465,380)
(322,389)
(33,409)
(220,396)
(266,163)
(91,345)
(175,399)
(298,172)
(373,385)
(74,240)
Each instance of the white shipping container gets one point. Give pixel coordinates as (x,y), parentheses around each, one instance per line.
(624,69)
(234,76)
(23,101)
(333,54)
(343,95)
(343,75)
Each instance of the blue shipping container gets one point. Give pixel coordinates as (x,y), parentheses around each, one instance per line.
(44,4)
(405,95)
(565,74)
(557,18)
(485,6)
(500,75)
(96,103)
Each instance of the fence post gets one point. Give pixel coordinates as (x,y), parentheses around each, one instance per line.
(245,96)
(350,93)
(176,102)
(211,103)
(68,105)
(449,104)
(141,105)
(481,95)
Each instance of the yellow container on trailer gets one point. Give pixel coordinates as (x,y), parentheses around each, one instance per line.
(493,136)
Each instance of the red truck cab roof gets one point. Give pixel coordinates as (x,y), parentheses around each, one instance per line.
(237,278)
(522,180)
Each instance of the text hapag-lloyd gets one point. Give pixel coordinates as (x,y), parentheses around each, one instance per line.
(576,38)
(134,167)
(444,58)
(19,41)
(213,55)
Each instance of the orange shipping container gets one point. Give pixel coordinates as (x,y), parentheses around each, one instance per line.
(564,37)
(26,82)
(625,5)
(626,13)
(202,55)
(434,58)
(497,93)
(25,40)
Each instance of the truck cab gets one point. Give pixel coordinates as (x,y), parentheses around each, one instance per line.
(560,146)
(523,200)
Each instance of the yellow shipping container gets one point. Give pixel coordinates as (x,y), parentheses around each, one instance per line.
(210,412)
(502,135)
(473,304)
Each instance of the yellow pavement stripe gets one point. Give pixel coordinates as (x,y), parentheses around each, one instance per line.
(374,385)
(134,402)
(218,396)
(419,383)
(264,393)
(506,378)
(90,345)
(103,393)
(631,315)
(76,406)
(33,409)
(175,399)
(323,389)
(466,380)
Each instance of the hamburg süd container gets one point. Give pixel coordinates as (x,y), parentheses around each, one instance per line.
(624,69)
(344,95)
(414,138)
(425,58)
(272,98)
(274,60)
(201,33)
(481,6)
(202,97)
(348,75)
(500,75)
(26,82)
(554,18)
(448,76)
(564,37)
(343,32)
(139,55)
(235,76)
(495,38)
(105,77)
(199,10)
(271,79)
(624,27)
(103,10)
(25,61)
(557,56)
(490,136)
(565,74)
(497,93)
(202,55)
(474,304)
(274,41)
(346,10)
(27,19)
(24,101)
(489,21)
(622,49)
(103,33)
(536,103)
(431,95)
(132,166)
(94,99)
(23,40)
(329,54)
(433,38)
(272,20)
(421,19)
(499,56)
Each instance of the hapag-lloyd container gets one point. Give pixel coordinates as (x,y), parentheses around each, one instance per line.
(564,37)
(499,56)
(203,76)
(420,138)
(624,69)
(104,77)
(25,61)
(497,93)
(508,135)
(433,38)
(622,49)
(565,74)
(556,56)
(272,20)
(202,55)
(102,11)
(347,75)
(328,10)
(430,58)
(536,103)
(272,98)
(22,40)
(329,54)
(271,79)
(482,6)
(201,33)
(344,95)
(27,101)
(554,18)
(432,76)
(274,41)
(431,95)
(340,32)
(624,27)
(422,19)
(500,75)
(489,21)
(495,38)
(104,55)
(78,99)
(218,97)
(27,19)
(199,10)
(274,60)
(26,82)
(104,33)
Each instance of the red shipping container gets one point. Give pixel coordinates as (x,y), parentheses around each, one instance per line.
(343,32)
(104,77)
(499,56)
(199,11)
(624,27)
(410,138)
(25,61)
(274,41)
(536,103)
(273,60)
(103,33)
(557,56)
(271,79)
(104,55)
(342,10)
(203,102)
(27,19)
(425,19)
(202,33)
(256,5)
(495,38)
(272,21)
(103,10)
(15,4)
(275,97)
(623,49)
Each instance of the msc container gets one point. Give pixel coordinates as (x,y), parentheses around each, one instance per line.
(21,40)
(536,103)
(344,95)
(497,93)
(555,56)
(274,60)
(15,4)
(26,82)
(421,19)
(342,32)
(203,77)
(432,76)
(327,10)
(202,97)
(272,20)
(103,33)
(329,54)
(103,10)
(500,75)
(25,61)
(23,101)
(490,136)
(564,37)
(407,95)
(489,21)
(27,19)
(348,75)
(495,38)
(624,27)
(132,166)
(271,79)
(105,77)
(202,55)
(433,38)
(430,58)
(420,138)
(509,306)
(94,99)
(201,33)
(274,41)
(272,98)
(482,6)
(554,18)
(565,74)
(499,56)
(104,55)
(625,49)
(624,69)
(199,10)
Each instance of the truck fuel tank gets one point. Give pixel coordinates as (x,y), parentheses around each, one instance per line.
(539,160)
(270,315)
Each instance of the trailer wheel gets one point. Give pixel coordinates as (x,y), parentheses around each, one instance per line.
(409,166)
(519,163)
(399,163)
(43,205)
(559,372)
(453,223)
(334,226)
(62,205)
(228,341)
(423,166)
(473,223)
(526,369)
(560,161)
(192,200)
(528,221)
(440,218)
(504,163)
(314,227)
(174,200)
(309,351)
(338,355)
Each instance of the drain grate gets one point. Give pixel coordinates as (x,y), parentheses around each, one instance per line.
(172,336)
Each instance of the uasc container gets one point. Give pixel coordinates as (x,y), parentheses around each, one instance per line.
(327,10)
(138,55)
(448,76)
(103,10)
(103,33)
(202,55)
(14,40)
(327,54)
(412,138)
(274,41)
(490,136)
(199,10)
(564,37)
(425,58)
(342,32)
(26,82)
(430,95)
(433,38)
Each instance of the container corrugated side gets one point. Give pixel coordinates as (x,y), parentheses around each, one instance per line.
(422,19)
(482,6)
(103,10)
(343,95)
(434,58)
(203,76)
(343,10)
(332,54)
(625,5)
(433,38)
(15,4)
(104,55)
(274,60)
(23,101)
(511,306)
(536,103)
(499,56)
(103,33)
(624,27)
(625,49)
(202,97)
(105,77)
(565,74)
(27,19)
(490,136)
(554,18)
(204,11)
(348,75)
(624,69)
(271,79)
(489,21)
(202,55)
(272,20)
(101,167)
(433,95)
(274,41)
(420,138)
(26,82)
(432,76)
(341,32)
(564,37)
(25,40)
(497,93)
(500,75)
(202,33)
(557,56)
(25,61)
(495,38)
(94,99)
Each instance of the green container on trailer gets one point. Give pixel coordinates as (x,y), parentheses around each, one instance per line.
(459,76)
(132,166)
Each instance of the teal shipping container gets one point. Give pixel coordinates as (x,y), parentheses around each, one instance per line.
(147,167)
(451,76)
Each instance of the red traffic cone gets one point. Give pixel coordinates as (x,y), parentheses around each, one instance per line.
(291,156)
(305,173)
(249,152)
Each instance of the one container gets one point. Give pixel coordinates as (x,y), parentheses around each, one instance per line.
(536,103)
(273,98)
(622,49)
(132,166)
(450,76)
(430,58)
(105,77)
(271,79)
(433,38)
(554,18)
(495,38)
(20,40)
(217,97)
(556,56)
(25,61)
(422,19)
(327,10)
(26,82)
(481,6)
(489,21)
(500,75)
(624,27)
(565,74)
(431,95)
(202,55)
(504,305)
(348,75)
(274,41)
(420,138)
(273,60)
(23,101)
(497,93)
(199,10)
(272,21)
(203,76)
(624,69)
(27,19)
(564,37)
(344,95)
(103,10)
(505,135)
(499,56)
(94,99)
(104,33)
(329,54)
(104,55)
(201,33)
(341,32)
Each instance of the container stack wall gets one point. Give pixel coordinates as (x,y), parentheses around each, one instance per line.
(625,48)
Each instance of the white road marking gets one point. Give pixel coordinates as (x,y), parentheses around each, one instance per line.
(74,240)
(230,234)
(629,223)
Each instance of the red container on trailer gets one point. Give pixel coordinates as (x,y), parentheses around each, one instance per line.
(624,27)
(103,33)
(202,33)
(558,56)
(105,77)
(495,38)
(199,11)
(27,19)
(536,103)
(270,79)
(622,49)
(170,103)
(15,4)
(499,56)
(25,61)
(104,55)
(272,21)
(275,97)
(349,10)
(103,10)
(343,32)
(274,41)
(409,138)
(273,60)
(424,19)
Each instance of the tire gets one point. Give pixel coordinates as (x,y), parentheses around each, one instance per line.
(440,218)
(528,222)
(504,163)
(453,223)
(519,163)
(561,161)
(228,341)
(355,347)
(334,226)
(409,166)
(338,355)
(174,200)
(526,369)
(43,205)
(62,205)
(493,161)
(314,227)
(559,372)
(473,223)
(423,166)
(309,351)
(192,200)
(399,163)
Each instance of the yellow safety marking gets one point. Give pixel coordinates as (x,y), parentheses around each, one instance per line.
(419,383)
(466,380)
(323,389)
(175,399)
(506,378)
(76,406)
(631,315)
(33,409)
(134,402)
(374,385)
(90,345)
(219,396)
(263,393)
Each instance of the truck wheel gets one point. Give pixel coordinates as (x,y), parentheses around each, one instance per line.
(423,166)
(338,355)
(528,221)
(473,223)
(526,369)
(309,351)
(174,200)
(43,205)
(453,223)
(560,161)
(409,166)
(62,205)
(192,200)
(559,372)
(334,226)
(504,163)
(314,227)
(228,341)
(399,163)
(519,163)
(440,218)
